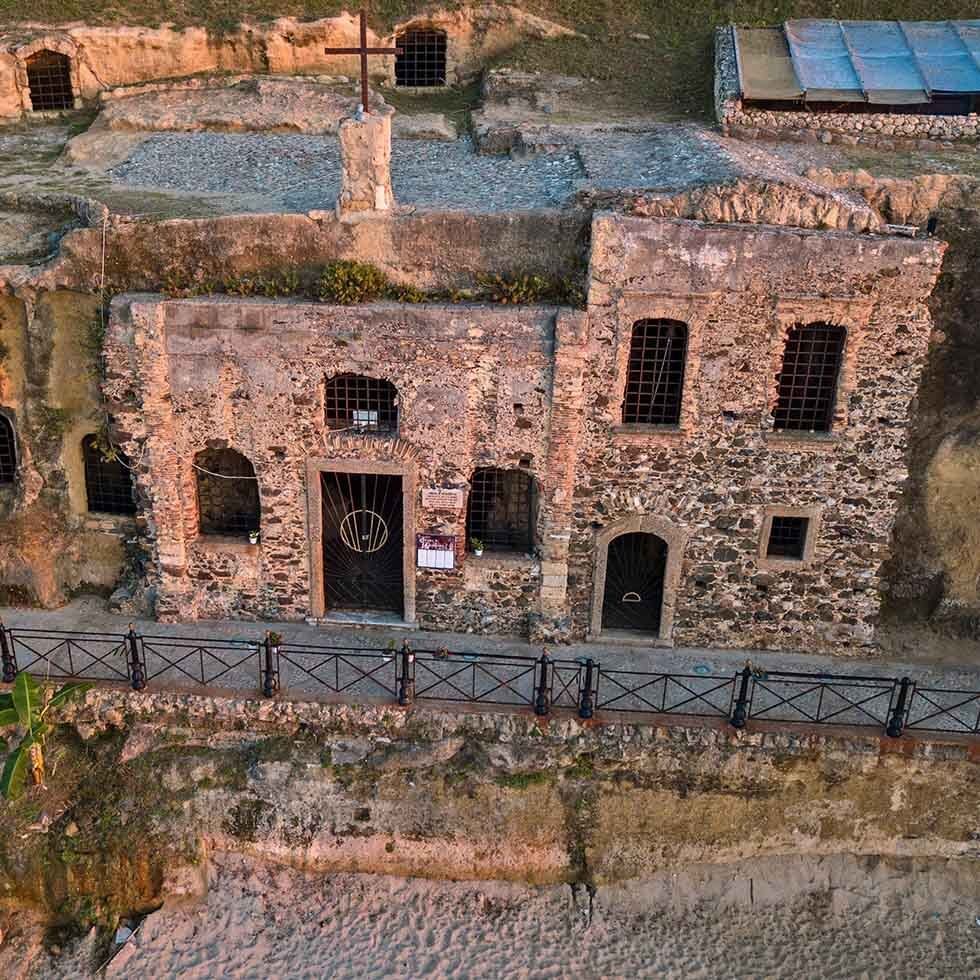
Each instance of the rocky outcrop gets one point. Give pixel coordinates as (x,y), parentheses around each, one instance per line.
(444,795)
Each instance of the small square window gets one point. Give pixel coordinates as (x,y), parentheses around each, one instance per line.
(787,537)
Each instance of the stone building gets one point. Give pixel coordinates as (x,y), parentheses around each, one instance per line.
(712,452)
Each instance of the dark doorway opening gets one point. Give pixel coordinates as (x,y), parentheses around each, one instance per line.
(633,596)
(422,63)
(363,544)
(49,81)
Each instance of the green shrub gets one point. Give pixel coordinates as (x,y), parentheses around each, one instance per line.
(351,282)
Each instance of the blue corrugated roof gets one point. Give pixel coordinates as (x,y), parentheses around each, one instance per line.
(883,61)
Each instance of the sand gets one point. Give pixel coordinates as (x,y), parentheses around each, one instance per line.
(773,919)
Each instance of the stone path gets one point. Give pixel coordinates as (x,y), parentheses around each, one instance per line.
(302,173)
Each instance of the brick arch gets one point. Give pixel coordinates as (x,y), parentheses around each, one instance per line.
(673,535)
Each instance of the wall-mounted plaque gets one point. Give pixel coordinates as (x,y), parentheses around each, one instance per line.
(436,550)
(440,498)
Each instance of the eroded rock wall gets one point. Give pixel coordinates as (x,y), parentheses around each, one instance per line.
(446,795)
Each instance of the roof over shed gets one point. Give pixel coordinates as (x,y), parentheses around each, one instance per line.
(878,61)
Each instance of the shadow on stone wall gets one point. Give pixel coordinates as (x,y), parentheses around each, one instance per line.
(934,577)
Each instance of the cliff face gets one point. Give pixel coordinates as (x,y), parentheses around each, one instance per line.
(143,788)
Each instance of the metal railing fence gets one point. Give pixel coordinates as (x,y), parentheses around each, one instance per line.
(543,684)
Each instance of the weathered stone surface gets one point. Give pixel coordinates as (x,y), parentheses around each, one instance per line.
(365,147)
(441,794)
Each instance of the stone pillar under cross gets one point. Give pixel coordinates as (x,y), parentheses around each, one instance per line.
(365,154)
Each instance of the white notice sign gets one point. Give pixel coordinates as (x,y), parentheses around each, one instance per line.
(440,498)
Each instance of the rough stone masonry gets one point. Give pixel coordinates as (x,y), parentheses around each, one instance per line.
(540,391)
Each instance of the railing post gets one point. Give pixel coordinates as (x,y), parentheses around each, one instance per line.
(586,697)
(896,721)
(542,690)
(137,676)
(406,675)
(270,676)
(7,655)
(740,711)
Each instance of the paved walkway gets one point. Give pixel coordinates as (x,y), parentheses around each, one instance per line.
(89,613)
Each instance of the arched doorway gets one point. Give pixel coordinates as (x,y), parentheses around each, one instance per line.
(49,81)
(633,595)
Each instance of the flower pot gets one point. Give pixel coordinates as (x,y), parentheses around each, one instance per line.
(253,539)
(477,552)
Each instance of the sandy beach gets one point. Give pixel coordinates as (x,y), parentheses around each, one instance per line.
(261,921)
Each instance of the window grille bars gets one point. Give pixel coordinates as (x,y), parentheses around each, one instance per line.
(499,511)
(49,81)
(422,63)
(655,374)
(787,537)
(8,456)
(360,404)
(108,482)
(808,378)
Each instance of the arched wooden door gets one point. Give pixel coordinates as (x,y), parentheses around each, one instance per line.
(633,596)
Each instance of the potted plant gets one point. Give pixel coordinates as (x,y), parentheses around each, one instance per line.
(477,545)
(253,537)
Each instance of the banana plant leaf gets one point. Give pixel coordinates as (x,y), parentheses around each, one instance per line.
(27,699)
(68,693)
(8,716)
(15,771)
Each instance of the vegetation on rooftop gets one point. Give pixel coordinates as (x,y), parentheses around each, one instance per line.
(668,72)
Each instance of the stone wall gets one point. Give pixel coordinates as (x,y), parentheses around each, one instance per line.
(250,375)
(50,543)
(706,486)
(883,129)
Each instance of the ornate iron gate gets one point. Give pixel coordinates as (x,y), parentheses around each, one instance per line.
(362,542)
(634,591)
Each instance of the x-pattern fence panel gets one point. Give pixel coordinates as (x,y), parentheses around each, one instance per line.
(628,690)
(539,683)
(339,670)
(822,699)
(62,654)
(474,679)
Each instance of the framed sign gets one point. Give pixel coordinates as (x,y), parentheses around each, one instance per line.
(440,498)
(436,550)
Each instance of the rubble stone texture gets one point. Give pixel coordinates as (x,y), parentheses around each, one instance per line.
(365,149)
(542,390)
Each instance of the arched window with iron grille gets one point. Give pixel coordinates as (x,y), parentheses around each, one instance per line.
(655,373)
(8,451)
(49,81)
(500,510)
(808,378)
(360,404)
(108,480)
(227,493)
(422,63)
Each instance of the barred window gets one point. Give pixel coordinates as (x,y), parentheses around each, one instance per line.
(108,480)
(787,537)
(655,373)
(808,378)
(500,510)
(227,493)
(422,62)
(49,81)
(8,455)
(361,404)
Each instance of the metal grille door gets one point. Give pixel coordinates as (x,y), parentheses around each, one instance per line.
(422,63)
(634,592)
(49,81)
(362,542)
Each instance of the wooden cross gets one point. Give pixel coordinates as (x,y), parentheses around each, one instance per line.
(363,51)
